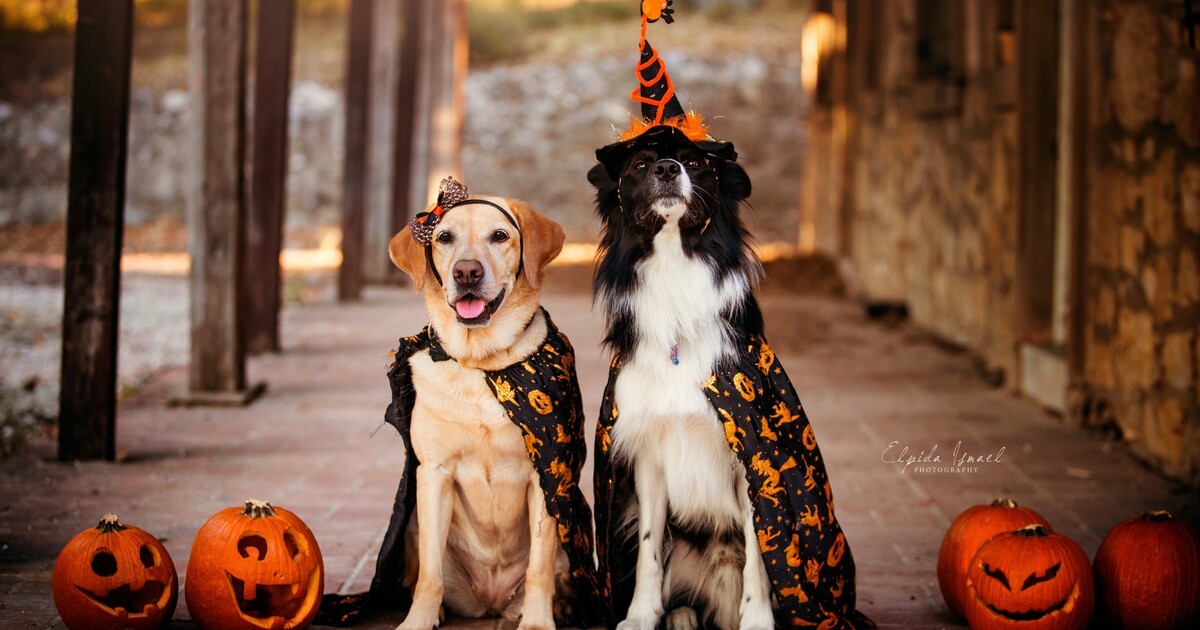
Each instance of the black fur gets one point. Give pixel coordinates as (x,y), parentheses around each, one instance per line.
(712,228)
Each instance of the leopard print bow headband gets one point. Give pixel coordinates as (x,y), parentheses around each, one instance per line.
(451,192)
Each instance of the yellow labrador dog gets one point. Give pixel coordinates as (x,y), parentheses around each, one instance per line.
(485,545)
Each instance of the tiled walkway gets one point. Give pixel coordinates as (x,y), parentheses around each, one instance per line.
(315,444)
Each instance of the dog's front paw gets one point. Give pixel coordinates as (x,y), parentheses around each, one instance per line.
(536,623)
(682,618)
(647,622)
(757,616)
(420,618)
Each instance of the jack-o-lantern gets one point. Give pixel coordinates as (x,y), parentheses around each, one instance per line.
(1030,579)
(966,534)
(541,402)
(809,437)
(1148,573)
(114,576)
(254,567)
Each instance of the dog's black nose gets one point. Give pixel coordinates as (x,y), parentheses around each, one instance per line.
(666,170)
(467,273)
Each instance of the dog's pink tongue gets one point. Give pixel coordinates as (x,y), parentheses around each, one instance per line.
(469,308)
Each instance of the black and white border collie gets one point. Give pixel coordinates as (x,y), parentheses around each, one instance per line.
(675,280)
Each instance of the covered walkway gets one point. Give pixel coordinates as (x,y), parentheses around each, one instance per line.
(315,443)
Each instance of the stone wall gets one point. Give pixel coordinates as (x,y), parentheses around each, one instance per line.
(931,206)
(1143,235)
(517,141)
(929,187)
(35,144)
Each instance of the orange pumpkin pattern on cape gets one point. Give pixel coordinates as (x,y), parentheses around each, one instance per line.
(541,395)
(808,560)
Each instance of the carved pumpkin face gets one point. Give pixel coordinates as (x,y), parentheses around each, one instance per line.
(809,437)
(744,386)
(837,550)
(541,402)
(254,567)
(1029,579)
(114,576)
(970,529)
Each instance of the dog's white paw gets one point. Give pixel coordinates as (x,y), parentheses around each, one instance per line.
(682,618)
(756,615)
(534,619)
(649,622)
(420,618)
(536,624)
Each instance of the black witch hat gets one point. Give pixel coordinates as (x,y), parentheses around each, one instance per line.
(663,120)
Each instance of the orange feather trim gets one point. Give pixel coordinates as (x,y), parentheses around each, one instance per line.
(691,124)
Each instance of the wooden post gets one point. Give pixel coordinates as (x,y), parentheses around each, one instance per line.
(1037,136)
(358,73)
(411,119)
(448,105)
(95,219)
(216,201)
(379,226)
(268,175)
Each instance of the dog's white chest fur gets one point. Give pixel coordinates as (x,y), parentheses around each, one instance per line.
(664,415)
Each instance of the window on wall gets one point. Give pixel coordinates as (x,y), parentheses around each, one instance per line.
(937,39)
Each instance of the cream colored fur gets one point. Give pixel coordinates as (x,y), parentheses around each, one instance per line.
(483,542)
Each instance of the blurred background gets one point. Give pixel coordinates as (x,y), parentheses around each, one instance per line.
(548,83)
(1020,177)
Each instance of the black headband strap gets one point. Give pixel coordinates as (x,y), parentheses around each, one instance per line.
(507,215)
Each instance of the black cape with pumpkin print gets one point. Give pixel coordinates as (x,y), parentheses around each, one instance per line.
(541,396)
(807,558)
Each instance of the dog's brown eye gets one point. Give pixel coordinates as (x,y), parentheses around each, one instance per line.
(641,166)
(445,237)
(692,164)
(499,236)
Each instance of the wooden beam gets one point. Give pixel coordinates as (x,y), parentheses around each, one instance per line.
(354,167)
(386,41)
(449,96)
(1037,136)
(268,179)
(411,119)
(216,201)
(95,220)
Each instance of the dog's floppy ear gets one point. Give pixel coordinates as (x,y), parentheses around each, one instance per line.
(542,240)
(602,178)
(409,255)
(735,182)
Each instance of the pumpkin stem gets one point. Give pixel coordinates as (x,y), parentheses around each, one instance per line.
(1004,502)
(258,509)
(109,524)
(1029,531)
(1157,516)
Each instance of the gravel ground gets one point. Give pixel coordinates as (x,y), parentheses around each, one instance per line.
(153,335)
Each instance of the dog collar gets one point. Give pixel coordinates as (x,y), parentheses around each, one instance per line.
(451,194)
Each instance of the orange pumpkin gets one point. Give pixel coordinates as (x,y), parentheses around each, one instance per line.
(1148,573)
(254,567)
(1029,579)
(966,534)
(114,576)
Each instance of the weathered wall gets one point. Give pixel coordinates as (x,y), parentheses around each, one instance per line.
(933,212)
(931,221)
(1143,235)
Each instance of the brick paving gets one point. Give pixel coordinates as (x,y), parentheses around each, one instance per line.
(315,444)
